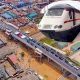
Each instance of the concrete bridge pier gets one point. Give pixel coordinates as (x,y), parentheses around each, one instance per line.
(65,73)
(62,69)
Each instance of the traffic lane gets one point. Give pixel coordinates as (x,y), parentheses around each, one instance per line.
(23,41)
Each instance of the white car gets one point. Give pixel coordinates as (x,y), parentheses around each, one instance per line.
(17,32)
(76,67)
(30,37)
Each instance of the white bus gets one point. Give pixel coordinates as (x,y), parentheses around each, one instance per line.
(61,20)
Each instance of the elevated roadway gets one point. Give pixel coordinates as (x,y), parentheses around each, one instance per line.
(54,55)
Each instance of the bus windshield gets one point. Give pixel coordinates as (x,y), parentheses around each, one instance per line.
(55,12)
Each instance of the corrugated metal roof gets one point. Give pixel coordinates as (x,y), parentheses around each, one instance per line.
(13,58)
(76,47)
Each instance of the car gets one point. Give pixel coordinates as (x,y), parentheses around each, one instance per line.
(23,36)
(52,49)
(52,52)
(47,49)
(31,43)
(43,46)
(27,40)
(17,32)
(31,38)
(56,55)
(35,46)
(76,67)
(34,41)
(61,58)
(38,43)
(20,35)
(71,64)
(66,61)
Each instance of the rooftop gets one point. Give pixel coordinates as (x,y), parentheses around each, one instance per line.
(3,74)
(75,47)
(13,58)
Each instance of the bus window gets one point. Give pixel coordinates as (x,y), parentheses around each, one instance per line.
(55,12)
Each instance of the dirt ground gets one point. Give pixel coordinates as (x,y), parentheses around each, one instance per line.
(38,36)
(32,29)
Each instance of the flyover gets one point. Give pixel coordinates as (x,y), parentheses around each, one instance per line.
(51,53)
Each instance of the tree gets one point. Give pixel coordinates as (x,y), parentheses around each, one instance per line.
(22,55)
(68,52)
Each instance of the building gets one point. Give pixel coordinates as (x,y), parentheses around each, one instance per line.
(2,43)
(12,59)
(3,74)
